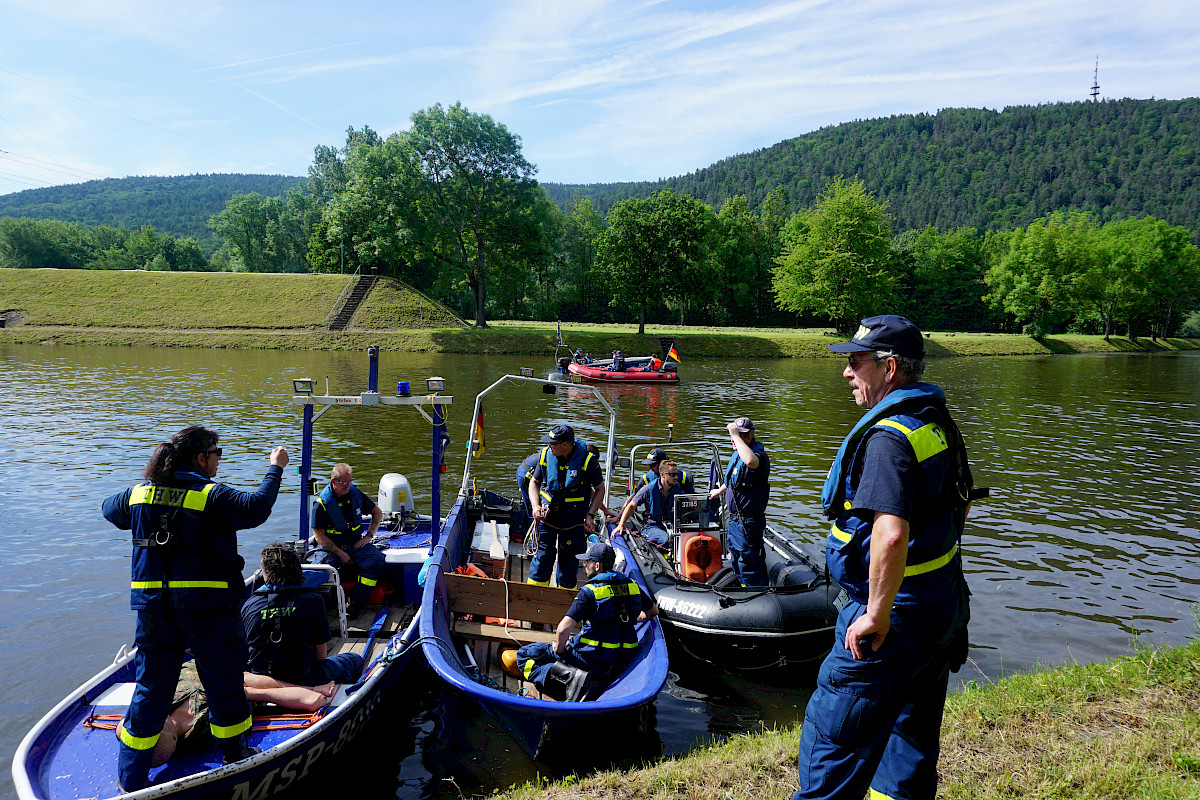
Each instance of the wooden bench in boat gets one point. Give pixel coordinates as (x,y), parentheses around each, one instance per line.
(492,597)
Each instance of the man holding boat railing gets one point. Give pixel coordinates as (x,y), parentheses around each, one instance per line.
(565,492)
(898,494)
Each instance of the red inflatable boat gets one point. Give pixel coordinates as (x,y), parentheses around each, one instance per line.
(601,374)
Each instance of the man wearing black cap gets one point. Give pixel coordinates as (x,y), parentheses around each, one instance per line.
(747,479)
(897,494)
(565,491)
(609,605)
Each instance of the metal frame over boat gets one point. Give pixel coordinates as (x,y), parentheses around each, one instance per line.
(466,620)
(718,621)
(63,756)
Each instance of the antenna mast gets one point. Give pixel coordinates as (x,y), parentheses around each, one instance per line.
(1096,82)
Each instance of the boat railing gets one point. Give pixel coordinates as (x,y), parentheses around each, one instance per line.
(475,444)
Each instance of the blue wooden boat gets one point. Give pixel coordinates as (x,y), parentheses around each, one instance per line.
(467,620)
(72,751)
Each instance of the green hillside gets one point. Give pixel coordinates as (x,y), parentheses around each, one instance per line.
(972,167)
(179,206)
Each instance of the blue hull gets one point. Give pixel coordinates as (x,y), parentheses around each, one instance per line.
(530,720)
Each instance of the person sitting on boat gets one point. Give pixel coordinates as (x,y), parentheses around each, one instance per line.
(608,606)
(658,497)
(579,357)
(656,457)
(747,479)
(566,489)
(655,364)
(287,631)
(187,589)
(618,362)
(185,728)
(338,528)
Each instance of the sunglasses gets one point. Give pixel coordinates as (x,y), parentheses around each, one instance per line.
(672,474)
(343,483)
(852,361)
(214,451)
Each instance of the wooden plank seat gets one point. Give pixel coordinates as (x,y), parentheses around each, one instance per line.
(492,597)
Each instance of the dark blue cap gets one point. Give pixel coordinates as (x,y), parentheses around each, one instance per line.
(599,551)
(656,455)
(559,433)
(886,332)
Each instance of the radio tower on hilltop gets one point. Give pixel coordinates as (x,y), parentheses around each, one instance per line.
(1096,82)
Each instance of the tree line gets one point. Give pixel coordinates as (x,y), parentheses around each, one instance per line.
(451,207)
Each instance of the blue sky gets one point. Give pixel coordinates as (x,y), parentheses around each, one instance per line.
(598,91)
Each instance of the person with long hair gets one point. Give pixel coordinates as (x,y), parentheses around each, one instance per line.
(187,589)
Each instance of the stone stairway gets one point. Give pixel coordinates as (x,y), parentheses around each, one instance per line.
(361,289)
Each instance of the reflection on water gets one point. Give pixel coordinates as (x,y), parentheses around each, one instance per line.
(1089,537)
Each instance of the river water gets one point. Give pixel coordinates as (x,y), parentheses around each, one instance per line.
(1088,543)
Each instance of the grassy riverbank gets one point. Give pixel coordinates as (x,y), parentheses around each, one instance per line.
(290,312)
(1124,729)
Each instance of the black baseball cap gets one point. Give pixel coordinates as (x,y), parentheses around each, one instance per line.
(559,433)
(656,455)
(886,332)
(599,551)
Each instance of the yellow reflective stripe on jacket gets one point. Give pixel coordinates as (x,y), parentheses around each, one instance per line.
(608,645)
(367,581)
(179,584)
(926,441)
(838,533)
(190,499)
(574,499)
(136,742)
(230,731)
(605,591)
(528,668)
(932,564)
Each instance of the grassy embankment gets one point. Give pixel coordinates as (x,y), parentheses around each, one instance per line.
(1126,729)
(290,312)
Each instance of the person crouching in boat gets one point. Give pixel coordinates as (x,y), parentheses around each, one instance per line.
(287,632)
(609,606)
(338,528)
(187,589)
(618,362)
(567,477)
(658,497)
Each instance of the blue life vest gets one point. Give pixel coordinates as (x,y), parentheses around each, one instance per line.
(608,637)
(525,475)
(751,488)
(570,497)
(275,638)
(181,559)
(917,416)
(658,506)
(344,532)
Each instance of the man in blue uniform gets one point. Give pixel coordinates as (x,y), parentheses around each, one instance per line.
(897,494)
(524,476)
(187,588)
(658,496)
(747,480)
(338,528)
(609,606)
(287,631)
(656,457)
(566,490)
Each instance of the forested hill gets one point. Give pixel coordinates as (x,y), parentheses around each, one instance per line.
(973,167)
(179,205)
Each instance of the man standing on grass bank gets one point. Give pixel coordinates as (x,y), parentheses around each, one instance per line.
(898,494)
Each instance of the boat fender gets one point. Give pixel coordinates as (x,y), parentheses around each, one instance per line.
(508,662)
(424,571)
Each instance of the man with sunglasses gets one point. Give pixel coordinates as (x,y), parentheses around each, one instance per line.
(897,495)
(658,497)
(187,589)
(338,529)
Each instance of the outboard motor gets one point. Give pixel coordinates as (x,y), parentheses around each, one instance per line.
(670,366)
(395,495)
(562,364)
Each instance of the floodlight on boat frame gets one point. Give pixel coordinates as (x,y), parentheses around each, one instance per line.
(435,384)
(526,372)
(303,385)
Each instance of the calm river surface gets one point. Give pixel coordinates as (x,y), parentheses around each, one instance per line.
(1089,539)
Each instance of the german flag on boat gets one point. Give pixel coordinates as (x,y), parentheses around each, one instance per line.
(673,353)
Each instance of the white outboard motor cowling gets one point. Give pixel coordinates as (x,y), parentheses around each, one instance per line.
(395,495)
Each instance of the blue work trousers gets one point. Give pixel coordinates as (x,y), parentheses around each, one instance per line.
(370,563)
(341,668)
(746,550)
(655,532)
(563,544)
(877,722)
(218,643)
